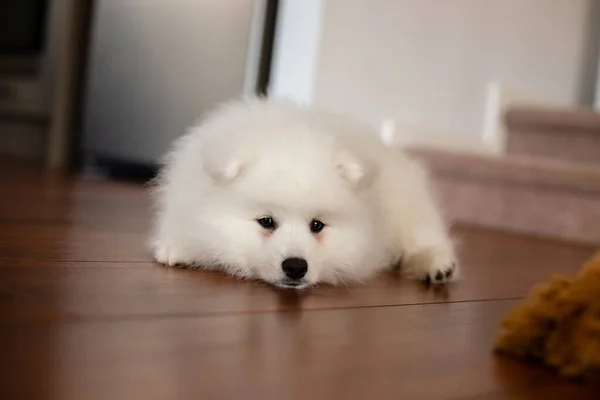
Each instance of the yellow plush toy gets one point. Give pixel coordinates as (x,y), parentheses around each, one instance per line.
(559,324)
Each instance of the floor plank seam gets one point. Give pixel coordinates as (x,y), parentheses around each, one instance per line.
(158,317)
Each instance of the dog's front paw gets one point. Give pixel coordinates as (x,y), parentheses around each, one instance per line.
(167,255)
(441,274)
(432,266)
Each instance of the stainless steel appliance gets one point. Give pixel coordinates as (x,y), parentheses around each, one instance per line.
(156,65)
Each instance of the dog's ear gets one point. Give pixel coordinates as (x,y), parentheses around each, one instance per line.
(225,169)
(357,172)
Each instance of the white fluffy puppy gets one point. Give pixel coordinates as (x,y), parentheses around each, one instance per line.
(292,196)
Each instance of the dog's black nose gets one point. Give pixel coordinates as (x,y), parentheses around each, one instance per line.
(294,268)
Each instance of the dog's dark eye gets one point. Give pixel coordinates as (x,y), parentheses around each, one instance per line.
(316,226)
(266,222)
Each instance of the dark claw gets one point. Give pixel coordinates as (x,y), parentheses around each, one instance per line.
(450,272)
(428,280)
(439,276)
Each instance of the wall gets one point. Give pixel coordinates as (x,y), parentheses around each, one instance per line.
(427,63)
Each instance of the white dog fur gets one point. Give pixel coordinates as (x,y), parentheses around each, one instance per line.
(256,158)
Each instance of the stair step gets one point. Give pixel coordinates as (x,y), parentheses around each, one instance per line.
(566,134)
(525,195)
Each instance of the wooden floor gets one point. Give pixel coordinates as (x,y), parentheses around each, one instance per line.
(86,314)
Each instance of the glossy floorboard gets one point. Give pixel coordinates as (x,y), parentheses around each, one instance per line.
(86,314)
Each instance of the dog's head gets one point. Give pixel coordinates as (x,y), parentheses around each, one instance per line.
(295,215)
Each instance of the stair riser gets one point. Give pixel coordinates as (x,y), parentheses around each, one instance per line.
(548,212)
(556,144)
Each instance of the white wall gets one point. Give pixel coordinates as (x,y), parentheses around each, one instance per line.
(427,63)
